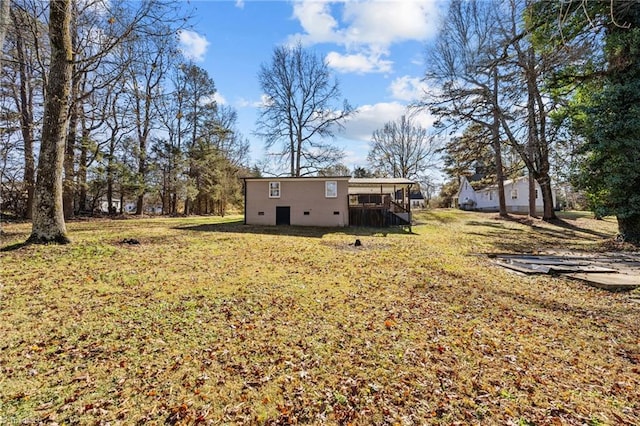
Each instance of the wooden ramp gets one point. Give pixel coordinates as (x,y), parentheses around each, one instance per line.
(610,271)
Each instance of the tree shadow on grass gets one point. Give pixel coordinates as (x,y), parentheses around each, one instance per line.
(574,308)
(14,247)
(562,223)
(553,234)
(239,227)
(425,216)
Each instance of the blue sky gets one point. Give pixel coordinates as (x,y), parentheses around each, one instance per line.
(376,49)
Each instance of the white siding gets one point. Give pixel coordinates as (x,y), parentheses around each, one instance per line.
(466,194)
(488,197)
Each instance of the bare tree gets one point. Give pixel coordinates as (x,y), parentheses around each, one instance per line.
(26,83)
(299,111)
(99,67)
(490,73)
(401,149)
(4,24)
(148,60)
(529,130)
(464,67)
(48,217)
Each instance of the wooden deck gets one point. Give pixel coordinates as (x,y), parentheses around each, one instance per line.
(377,211)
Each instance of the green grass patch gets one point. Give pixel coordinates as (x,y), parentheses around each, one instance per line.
(209,321)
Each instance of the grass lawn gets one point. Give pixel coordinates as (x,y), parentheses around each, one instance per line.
(209,321)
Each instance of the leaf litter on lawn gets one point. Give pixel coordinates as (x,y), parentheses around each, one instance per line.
(236,326)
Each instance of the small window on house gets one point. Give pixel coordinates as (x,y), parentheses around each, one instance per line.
(274,189)
(514,194)
(536,194)
(331,189)
(491,195)
(336,213)
(306,213)
(260,213)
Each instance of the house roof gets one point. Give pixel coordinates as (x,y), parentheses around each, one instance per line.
(379,181)
(377,185)
(353,182)
(506,182)
(296,178)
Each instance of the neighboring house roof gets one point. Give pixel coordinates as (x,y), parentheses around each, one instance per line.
(476,177)
(507,182)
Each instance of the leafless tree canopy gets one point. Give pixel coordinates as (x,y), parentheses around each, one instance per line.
(487,71)
(126,130)
(299,111)
(401,149)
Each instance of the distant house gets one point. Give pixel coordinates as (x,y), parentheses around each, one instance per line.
(104,205)
(334,201)
(130,207)
(486,199)
(417,200)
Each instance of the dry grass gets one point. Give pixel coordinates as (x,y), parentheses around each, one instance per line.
(212,322)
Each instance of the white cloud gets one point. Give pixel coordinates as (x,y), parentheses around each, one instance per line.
(247,103)
(407,88)
(264,101)
(220,100)
(316,19)
(369,118)
(366,29)
(193,45)
(240,4)
(385,22)
(358,63)
(360,127)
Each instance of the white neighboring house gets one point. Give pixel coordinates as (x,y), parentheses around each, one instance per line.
(104,205)
(516,193)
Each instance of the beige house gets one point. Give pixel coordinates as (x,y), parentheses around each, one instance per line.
(305,201)
(333,201)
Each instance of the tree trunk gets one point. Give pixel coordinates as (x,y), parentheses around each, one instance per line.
(629,228)
(497,148)
(110,208)
(68,184)
(4,21)
(48,218)
(29,174)
(174,203)
(533,138)
(110,172)
(533,211)
(26,119)
(547,198)
(142,173)
(82,168)
(139,205)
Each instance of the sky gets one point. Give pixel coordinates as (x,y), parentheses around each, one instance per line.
(375,48)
